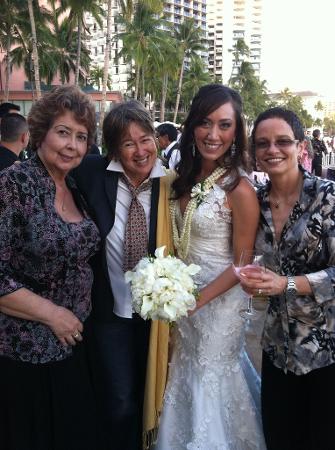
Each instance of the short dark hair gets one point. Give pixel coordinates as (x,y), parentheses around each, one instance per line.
(12,126)
(55,103)
(118,120)
(208,99)
(6,107)
(167,129)
(279,113)
(316,133)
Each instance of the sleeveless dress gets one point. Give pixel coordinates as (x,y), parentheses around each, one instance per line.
(208,403)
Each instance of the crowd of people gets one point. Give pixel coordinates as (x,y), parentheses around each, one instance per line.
(80,369)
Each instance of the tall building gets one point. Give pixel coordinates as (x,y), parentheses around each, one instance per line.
(175,11)
(228,21)
(96,41)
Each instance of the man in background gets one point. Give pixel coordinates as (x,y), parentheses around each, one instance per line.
(7,107)
(318,147)
(167,134)
(14,138)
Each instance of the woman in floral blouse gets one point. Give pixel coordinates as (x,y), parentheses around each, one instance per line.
(297,237)
(46,240)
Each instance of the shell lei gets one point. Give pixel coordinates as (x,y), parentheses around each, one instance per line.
(199,192)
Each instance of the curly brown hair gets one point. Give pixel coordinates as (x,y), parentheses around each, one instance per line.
(53,104)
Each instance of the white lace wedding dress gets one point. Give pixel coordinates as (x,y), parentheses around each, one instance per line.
(208,404)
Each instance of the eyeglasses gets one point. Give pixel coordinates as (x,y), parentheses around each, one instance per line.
(282,144)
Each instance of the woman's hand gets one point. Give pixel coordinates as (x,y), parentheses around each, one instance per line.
(66,326)
(264,282)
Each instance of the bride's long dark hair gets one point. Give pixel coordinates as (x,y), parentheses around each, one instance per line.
(208,99)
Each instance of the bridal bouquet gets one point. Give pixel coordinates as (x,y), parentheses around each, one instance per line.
(162,287)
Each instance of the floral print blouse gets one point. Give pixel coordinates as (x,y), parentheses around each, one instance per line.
(43,253)
(299,335)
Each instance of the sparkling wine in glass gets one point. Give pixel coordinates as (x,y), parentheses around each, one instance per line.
(252,262)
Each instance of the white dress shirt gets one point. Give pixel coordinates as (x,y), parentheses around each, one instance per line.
(115,238)
(175,155)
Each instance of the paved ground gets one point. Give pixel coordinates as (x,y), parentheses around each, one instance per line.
(254,332)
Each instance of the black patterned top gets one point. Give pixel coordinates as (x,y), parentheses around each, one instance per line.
(299,335)
(43,253)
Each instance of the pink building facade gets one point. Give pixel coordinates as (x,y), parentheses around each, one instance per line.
(20,91)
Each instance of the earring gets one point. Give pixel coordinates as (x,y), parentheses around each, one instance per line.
(233,149)
(193,150)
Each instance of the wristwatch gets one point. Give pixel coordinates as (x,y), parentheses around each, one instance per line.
(291,288)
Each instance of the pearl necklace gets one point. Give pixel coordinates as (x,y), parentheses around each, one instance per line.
(198,193)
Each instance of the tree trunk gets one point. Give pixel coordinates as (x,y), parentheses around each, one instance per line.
(137,82)
(163,97)
(106,67)
(76,77)
(7,73)
(153,111)
(179,89)
(143,86)
(35,52)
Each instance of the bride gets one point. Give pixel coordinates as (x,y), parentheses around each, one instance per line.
(208,404)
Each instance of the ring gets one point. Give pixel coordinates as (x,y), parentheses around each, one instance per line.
(260,291)
(76,335)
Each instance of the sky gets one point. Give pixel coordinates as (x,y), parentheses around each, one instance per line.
(298,45)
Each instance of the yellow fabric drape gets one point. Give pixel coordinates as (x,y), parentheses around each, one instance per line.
(159,334)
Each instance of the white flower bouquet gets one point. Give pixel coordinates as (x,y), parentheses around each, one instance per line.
(162,287)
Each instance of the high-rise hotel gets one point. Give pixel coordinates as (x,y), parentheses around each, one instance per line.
(228,21)
(222,21)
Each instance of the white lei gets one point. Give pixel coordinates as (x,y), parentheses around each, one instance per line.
(199,191)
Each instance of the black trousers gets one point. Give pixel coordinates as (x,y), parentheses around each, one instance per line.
(118,355)
(317,166)
(47,406)
(298,410)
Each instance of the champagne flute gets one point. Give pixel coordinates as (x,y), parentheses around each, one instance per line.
(252,261)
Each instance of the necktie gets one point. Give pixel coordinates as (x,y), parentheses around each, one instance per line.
(135,244)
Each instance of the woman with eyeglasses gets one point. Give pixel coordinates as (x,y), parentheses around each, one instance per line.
(297,235)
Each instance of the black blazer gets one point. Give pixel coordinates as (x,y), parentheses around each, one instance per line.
(99,188)
(7,157)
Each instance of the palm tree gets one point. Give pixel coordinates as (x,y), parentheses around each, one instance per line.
(159,70)
(318,106)
(127,9)
(240,50)
(56,53)
(77,9)
(165,70)
(25,40)
(142,38)
(189,38)
(195,77)
(106,66)
(9,20)
(34,47)
(96,75)
(62,54)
